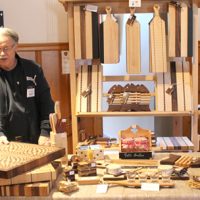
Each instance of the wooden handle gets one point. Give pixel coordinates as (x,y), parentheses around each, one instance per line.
(57,109)
(132,10)
(156,9)
(108,10)
(53,121)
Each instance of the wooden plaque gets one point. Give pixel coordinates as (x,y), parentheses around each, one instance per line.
(18,158)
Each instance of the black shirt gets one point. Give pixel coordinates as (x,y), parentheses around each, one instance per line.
(23,116)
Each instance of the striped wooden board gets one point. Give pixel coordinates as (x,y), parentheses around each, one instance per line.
(133,49)
(18,158)
(158,53)
(175,143)
(109,39)
(47,172)
(32,189)
(180,30)
(86,33)
(173,88)
(89,88)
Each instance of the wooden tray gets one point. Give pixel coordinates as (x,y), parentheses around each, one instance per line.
(18,158)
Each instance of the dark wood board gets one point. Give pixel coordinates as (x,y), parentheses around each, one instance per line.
(31,189)
(18,158)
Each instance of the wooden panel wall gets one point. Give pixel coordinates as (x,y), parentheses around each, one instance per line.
(48,55)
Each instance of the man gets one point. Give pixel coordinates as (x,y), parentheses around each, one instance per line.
(25,99)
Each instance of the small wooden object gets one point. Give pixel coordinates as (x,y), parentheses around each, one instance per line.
(139,133)
(127,183)
(87,169)
(67,187)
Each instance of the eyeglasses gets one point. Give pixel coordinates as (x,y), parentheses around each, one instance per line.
(7,48)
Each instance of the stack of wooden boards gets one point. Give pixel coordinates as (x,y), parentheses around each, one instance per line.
(26,169)
(129,98)
(175,144)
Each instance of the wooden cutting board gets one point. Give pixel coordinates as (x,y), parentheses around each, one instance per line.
(180,30)
(133,55)
(47,172)
(158,53)
(109,39)
(30,189)
(89,88)
(18,158)
(86,33)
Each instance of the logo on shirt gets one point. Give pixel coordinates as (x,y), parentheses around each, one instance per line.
(29,78)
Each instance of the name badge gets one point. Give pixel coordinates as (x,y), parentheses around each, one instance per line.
(30,92)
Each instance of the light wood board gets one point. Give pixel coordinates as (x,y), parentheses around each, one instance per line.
(109,39)
(133,49)
(158,53)
(18,158)
(47,172)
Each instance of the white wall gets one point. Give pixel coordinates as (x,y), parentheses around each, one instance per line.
(37,20)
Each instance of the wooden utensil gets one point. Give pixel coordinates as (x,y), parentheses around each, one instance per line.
(133,60)
(109,39)
(127,183)
(158,55)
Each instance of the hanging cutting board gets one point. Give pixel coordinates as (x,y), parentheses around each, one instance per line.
(109,39)
(180,86)
(89,87)
(160,92)
(187,86)
(133,56)
(158,56)
(180,30)
(86,33)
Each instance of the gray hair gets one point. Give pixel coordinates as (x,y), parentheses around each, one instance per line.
(10,33)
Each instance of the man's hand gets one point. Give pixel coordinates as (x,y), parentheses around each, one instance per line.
(44,140)
(3,140)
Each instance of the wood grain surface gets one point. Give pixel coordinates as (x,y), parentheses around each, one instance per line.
(133,47)
(32,189)
(89,88)
(86,33)
(109,39)
(158,53)
(47,172)
(18,158)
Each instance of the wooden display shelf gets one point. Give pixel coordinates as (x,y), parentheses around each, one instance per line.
(121,7)
(153,113)
(149,77)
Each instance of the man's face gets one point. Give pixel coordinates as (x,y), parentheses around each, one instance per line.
(7,53)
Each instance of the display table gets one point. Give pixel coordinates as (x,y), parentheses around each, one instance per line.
(88,192)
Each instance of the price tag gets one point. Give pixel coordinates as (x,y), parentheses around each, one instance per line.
(65,62)
(102,188)
(134,3)
(150,186)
